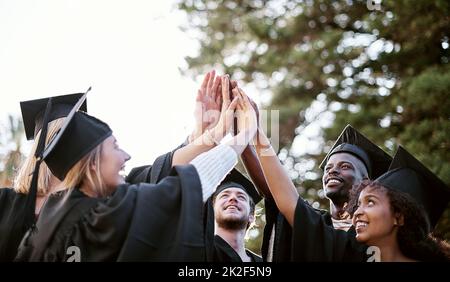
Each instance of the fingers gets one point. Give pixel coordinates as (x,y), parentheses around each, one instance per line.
(234,103)
(211,82)
(205,82)
(215,88)
(238,93)
(233,84)
(225,92)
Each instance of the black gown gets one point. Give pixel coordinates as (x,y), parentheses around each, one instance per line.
(160,169)
(12,216)
(142,222)
(12,204)
(223,252)
(313,237)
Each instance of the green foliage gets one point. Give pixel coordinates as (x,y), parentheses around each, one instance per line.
(384,71)
(10,154)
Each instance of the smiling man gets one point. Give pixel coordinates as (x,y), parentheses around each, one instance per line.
(234,211)
(352,159)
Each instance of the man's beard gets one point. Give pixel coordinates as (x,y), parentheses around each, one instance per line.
(338,196)
(233,223)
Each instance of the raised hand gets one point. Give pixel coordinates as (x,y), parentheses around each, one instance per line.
(247,123)
(207,104)
(225,122)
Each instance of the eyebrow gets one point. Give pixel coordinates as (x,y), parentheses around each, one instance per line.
(226,192)
(340,163)
(242,194)
(368,196)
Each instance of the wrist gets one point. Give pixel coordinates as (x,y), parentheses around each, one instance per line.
(194,135)
(210,138)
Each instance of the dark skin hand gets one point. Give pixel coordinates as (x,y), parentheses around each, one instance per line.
(251,161)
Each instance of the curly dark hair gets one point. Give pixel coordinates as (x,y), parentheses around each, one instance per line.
(414,237)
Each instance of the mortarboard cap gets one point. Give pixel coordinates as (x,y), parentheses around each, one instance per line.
(236,179)
(406,174)
(79,134)
(353,142)
(33,111)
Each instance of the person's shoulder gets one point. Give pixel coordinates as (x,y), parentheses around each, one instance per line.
(10,196)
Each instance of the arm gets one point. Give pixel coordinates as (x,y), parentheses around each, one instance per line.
(252,165)
(280,185)
(251,162)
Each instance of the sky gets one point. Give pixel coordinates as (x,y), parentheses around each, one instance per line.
(130,52)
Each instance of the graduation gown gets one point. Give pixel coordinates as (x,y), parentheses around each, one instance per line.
(313,237)
(160,168)
(12,215)
(216,250)
(141,222)
(223,252)
(276,222)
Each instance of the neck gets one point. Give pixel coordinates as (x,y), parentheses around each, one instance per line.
(88,191)
(234,238)
(337,209)
(390,250)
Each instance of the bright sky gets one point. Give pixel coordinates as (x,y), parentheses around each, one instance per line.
(129,51)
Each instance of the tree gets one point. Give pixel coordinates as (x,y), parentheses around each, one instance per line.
(10,153)
(381,66)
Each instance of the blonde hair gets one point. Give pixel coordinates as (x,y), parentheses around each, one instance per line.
(81,174)
(25,173)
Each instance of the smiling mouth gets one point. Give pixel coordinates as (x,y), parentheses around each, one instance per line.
(232,207)
(122,172)
(333,181)
(360,225)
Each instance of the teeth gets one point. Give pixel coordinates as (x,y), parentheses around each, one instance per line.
(334,181)
(361,224)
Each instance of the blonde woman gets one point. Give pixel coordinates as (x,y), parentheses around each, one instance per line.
(13,201)
(100,218)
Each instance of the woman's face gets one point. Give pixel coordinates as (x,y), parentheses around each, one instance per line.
(112,163)
(374,220)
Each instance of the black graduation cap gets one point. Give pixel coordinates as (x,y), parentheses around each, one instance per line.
(79,134)
(353,142)
(406,174)
(236,179)
(33,111)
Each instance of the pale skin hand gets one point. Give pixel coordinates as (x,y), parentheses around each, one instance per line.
(207,105)
(203,142)
(283,190)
